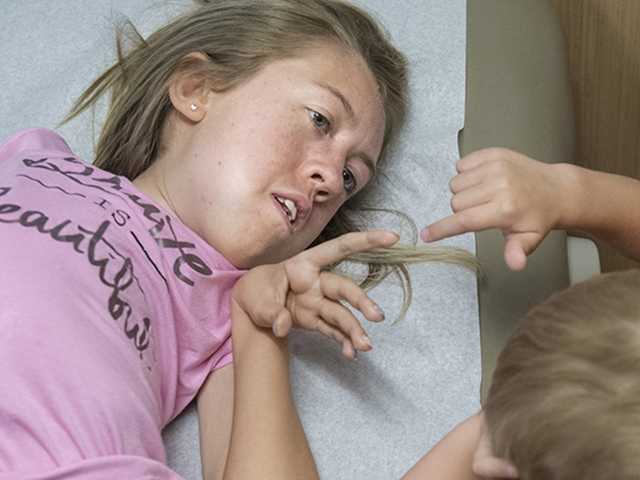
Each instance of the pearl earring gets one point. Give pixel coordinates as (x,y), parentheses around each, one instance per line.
(193,107)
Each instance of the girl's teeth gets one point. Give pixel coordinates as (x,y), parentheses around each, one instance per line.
(292,208)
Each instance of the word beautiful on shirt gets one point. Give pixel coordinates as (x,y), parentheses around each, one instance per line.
(115,270)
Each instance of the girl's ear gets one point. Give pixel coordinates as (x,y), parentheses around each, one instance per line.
(188,87)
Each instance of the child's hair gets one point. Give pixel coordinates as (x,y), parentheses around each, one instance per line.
(238,37)
(565,398)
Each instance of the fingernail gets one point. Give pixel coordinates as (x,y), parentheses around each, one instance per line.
(378,309)
(366,341)
(424,235)
(274,328)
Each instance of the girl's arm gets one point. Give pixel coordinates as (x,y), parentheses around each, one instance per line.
(261,437)
(267,439)
(215,416)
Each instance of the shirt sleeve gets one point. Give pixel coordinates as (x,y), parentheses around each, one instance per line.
(34,139)
(223,357)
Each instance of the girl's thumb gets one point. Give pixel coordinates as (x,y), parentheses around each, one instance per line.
(282,323)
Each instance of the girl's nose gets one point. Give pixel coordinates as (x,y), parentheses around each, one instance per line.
(326,181)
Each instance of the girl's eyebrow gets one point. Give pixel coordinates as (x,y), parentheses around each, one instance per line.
(338,94)
(366,159)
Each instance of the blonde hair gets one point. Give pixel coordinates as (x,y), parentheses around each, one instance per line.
(238,37)
(565,398)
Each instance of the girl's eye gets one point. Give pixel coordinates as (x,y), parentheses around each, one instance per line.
(349,181)
(320,121)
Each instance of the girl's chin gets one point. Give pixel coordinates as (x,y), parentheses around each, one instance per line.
(261,250)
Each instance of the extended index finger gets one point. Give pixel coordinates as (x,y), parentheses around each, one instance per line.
(337,249)
(474,219)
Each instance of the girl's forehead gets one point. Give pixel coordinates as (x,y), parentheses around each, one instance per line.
(341,72)
(335,61)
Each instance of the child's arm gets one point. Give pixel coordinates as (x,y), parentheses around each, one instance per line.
(604,205)
(452,456)
(499,188)
(462,455)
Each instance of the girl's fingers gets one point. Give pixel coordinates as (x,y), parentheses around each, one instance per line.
(337,249)
(332,332)
(339,288)
(329,331)
(341,318)
(348,350)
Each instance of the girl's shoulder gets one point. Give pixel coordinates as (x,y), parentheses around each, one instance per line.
(34,139)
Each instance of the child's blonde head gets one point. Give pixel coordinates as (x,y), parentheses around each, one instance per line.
(565,397)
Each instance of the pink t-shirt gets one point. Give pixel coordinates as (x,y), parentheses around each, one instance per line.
(112,314)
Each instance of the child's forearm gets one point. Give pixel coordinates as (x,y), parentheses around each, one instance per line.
(604,205)
(452,457)
(267,440)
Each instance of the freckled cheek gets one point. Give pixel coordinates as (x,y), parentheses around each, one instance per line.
(271,146)
(287,135)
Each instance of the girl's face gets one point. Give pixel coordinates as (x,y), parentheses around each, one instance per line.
(271,161)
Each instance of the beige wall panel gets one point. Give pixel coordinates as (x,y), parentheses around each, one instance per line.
(603,38)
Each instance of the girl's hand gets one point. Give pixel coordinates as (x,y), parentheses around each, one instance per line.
(499,188)
(300,292)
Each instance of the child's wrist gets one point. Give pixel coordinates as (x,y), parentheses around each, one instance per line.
(571,186)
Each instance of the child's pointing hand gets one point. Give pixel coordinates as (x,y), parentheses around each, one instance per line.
(499,188)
